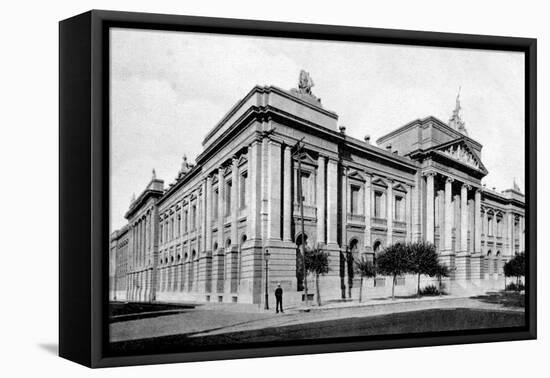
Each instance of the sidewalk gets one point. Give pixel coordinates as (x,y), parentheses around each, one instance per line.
(352,309)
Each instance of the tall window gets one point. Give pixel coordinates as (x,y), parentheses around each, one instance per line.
(307,192)
(228,187)
(178,226)
(161,232)
(355,200)
(499,227)
(242,190)
(490,226)
(193,217)
(185,220)
(399,208)
(171,228)
(378,205)
(215,196)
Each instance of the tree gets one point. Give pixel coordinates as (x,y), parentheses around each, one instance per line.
(367,269)
(515,267)
(423,260)
(394,261)
(440,271)
(317,262)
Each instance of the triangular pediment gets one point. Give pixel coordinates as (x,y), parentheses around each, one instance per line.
(307,159)
(242,160)
(353,174)
(461,151)
(378,181)
(400,187)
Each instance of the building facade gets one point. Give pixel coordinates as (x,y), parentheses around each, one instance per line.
(205,236)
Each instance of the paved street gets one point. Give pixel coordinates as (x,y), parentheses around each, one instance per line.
(210,320)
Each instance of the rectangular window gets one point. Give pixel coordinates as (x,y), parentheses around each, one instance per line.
(178,227)
(185,220)
(355,200)
(215,195)
(161,231)
(228,187)
(242,190)
(399,209)
(490,226)
(305,182)
(378,208)
(193,217)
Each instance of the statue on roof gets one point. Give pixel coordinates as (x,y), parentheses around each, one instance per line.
(185,166)
(305,83)
(154,175)
(456,121)
(133,198)
(516,186)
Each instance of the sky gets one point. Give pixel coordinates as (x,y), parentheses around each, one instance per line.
(168,89)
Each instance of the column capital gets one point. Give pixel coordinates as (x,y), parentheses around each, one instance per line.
(466,186)
(449,179)
(429,173)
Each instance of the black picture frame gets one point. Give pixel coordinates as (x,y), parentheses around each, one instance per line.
(84,186)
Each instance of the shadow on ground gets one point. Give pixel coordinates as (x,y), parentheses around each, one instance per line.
(122,311)
(504,298)
(433,320)
(51,348)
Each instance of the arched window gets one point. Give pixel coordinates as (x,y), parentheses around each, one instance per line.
(376,247)
(215,248)
(228,243)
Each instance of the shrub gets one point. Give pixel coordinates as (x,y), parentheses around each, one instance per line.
(512,286)
(430,290)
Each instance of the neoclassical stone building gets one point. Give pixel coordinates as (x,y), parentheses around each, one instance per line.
(205,236)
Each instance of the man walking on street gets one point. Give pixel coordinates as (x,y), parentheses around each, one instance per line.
(279,298)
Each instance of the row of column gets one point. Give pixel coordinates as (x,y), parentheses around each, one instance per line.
(449,215)
(141,232)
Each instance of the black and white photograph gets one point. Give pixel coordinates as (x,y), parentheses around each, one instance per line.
(267,190)
(274,189)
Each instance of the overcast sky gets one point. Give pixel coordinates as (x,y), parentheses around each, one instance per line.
(168,89)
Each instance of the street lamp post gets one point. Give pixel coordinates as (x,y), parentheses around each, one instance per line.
(266,256)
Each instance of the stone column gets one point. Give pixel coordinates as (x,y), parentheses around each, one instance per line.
(521,234)
(232,252)
(254,206)
(367,240)
(449,216)
(509,234)
(416,205)
(408,215)
(476,258)
(264,171)
(220,253)
(274,191)
(389,213)
(287,196)
(430,207)
(332,202)
(321,162)
(208,216)
(235,202)
(464,218)
(345,210)
(463,258)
